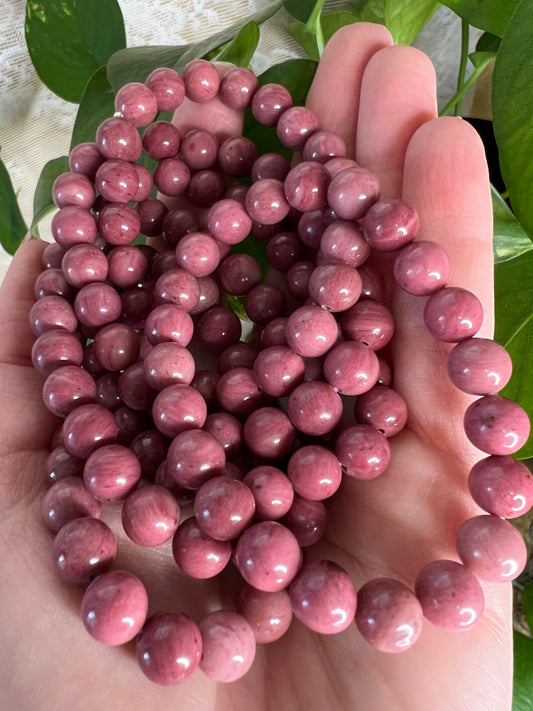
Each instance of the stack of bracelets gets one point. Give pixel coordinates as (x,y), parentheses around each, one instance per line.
(252,447)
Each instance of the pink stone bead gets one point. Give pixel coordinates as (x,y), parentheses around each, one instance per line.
(83,549)
(284,250)
(208,297)
(168,364)
(73,189)
(133,389)
(227,430)
(52,255)
(67,388)
(479,366)
(117,180)
(198,254)
(206,187)
(177,286)
(52,282)
(118,223)
(268,433)
(314,472)
(278,370)
(268,613)
(421,268)
(169,648)
(297,279)
(383,408)
(97,304)
(137,104)
(52,313)
(130,424)
(238,355)
(205,381)
(270,102)
(306,186)
(145,183)
(87,428)
(321,146)
(368,322)
(314,408)
(107,391)
(224,507)
(61,464)
(390,224)
(238,87)
(169,322)
(167,87)
(196,553)
(272,491)
(270,165)
(502,486)
(372,283)
(117,138)
(150,448)
(335,286)
(177,408)
(218,328)
(114,607)
(66,500)
(172,176)
(336,165)
(228,221)
(491,548)
(111,472)
(178,223)
(266,203)
(364,453)
(228,646)
(453,314)
(344,241)
(72,225)
(295,126)
(161,140)
(201,80)
(273,333)
(311,331)
(268,556)
(388,616)
(199,149)
(83,264)
(194,457)
(323,597)
(85,158)
(352,192)
(150,515)
(496,425)
(236,156)
(264,303)
(116,346)
(307,520)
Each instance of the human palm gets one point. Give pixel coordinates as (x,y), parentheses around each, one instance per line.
(381,99)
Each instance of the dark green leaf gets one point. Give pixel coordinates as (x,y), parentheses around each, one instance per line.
(332,21)
(488,43)
(236,304)
(510,240)
(305,39)
(314,25)
(489,15)
(299,9)
(241,50)
(69,40)
(523,678)
(481,59)
(12,226)
(527,602)
(356,6)
(513,295)
(406,18)
(42,198)
(136,63)
(512,104)
(97,104)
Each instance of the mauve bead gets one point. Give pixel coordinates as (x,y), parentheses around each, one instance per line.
(107,391)
(368,322)
(270,165)
(236,156)
(372,283)
(314,408)
(238,391)
(268,433)
(450,595)
(197,253)
(311,331)
(263,303)
(178,223)
(150,515)
(54,349)
(209,295)
(52,256)
(87,428)
(201,80)
(266,203)
(194,457)
(117,180)
(335,286)
(352,192)
(268,556)
(502,486)
(163,262)
(168,88)
(297,279)
(118,223)
(127,266)
(268,613)
(145,183)
(90,362)
(205,381)
(196,553)
(224,507)
(491,548)
(344,241)
(206,187)
(130,423)
(295,126)
(83,264)
(66,388)
(336,165)
(199,149)
(83,549)
(321,146)
(227,430)
(150,447)
(311,227)
(383,408)
(169,322)
(236,192)
(239,273)
(273,333)
(390,224)
(73,225)
(133,389)
(228,221)
(314,472)
(169,648)
(238,355)
(177,286)
(364,453)
(479,366)
(385,373)
(61,464)
(278,370)
(307,520)
(114,607)
(269,102)
(421,268)
(218,328)
(178,408)
(111,472)
(167,364)
(117,138)
(284,250)
(453,314)
(73,189)
(238,87)
(171,176)
(496,425)
(85,158)
(272,491)
(137,104)
(97,304)
(66,500)
(388,615)
(228,646)
(306,186)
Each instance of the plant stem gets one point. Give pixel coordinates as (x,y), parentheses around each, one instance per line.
(456,99)
(465,31)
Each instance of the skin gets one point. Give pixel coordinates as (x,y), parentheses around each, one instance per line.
(381,99)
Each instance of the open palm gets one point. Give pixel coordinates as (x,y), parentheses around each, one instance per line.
(381,99)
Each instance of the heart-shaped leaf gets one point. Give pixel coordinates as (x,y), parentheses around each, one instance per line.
(241,49)
(523,674)
(12,226)
(97,104)
(489,15)
(510,240)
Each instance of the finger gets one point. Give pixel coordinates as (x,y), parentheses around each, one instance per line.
(335,92)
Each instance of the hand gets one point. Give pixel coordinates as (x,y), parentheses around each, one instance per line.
(381,99)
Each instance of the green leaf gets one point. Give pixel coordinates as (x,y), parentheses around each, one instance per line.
(136,63)
(330,22)
(481,59)
(97,104)
(523,676)
(527,602)
(510,240)
(305,39)
(42,198)
(404,18)
(300,9)
(69,40)
(333,21)
(513,295)
(12,226)
(489,15)
(512,104)
(241,50)
(236,304)
(488,43)
(314,25)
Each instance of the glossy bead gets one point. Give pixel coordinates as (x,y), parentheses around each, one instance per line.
(116,346)
(150,447)
(266,203)
(268,613)
(218,328)
(269,102)
(388,615)
(177,223)
(177,408)
(228,646)
(133,389)
(283,251)
(263,303)
(73,189)
(97,304)
(314,472)
(206,187)
(205,381)
(295,126)
(194,457)
(311,226)
(228,221)
(344,241)
(268,433)
(236,156)
(201,80)
(321,146)
(73,225)
(297,279)
(306,186)
(351,192)
(127,266)
(116,138)
(479,366)
(270,165)
(372,283)
(150,515)
(208,297)
(421,268)
(199,149)
(272,491)
(177,286)
(52,313)
(238,391)
(239,273)
(238,87)
(66,388)
(311,331)
(450,595)
(197,252)
(368,322)
(117,180)
(107,391)
(167,364)
(66,500)
(227,430)
(364,453)
(323,597)
(169,648)
(223,508)
(137,104)
(169,322)
(114,607)
(196,553)
(307,520)
(314,408)
(335,286)
(83,264)
(145,183)
(278,370)
(238,355)
(502,486)
(61,464)
(119,223)
(268,556)
(85,158)
(54,349)
(273,333)
(171,176)
(453,314)
(496,425)
(383,408)
(111,472)
(83,549)
(390,224)
(87,428)
(168,88)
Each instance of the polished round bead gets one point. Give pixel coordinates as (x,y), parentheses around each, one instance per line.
(177,223)
(145,183)
(450,595)
(270,165)
(314,408)
(54,349)
(167,364)
(372,283)
(206,187)
(196,553)
(297,279)
(111,472)
(272,491)
(130,423)
(422,268)
(150,515)
(197,253)
(351,192)
(178,408)
(266,203)
(66,500)
(236,156)
(83,264)
(85,158)
(306,186)
(209,295)
(390,224)
(73,225)
(163,262)
(343,241)
(61,464)
(496,425)
(307,520)
(224,507)
(323,597)
(168,88)
(264,303)
(114,607)
(205,381)
(479,366)
(493,549)
(137,104)
(199,149)
(169,322)
(368,322)
(311,226)
(383,408)
(194,457)
(201,80)
(238,391)
(295,126)
(66,388)
(107,391)
(364,453)
(278,370)
(218,328)
(178,286)
(321,146)
(119,223)
(238,87)
(314,472)
(273,333)
(502,486)
(268,556)
(238,355)
(90,362)
(228,221)
(335,286)
(268,433)
(239,273)
(388,615)
(150,447)
(311,331)
(228,646)
(87,428)
(117,180)
(83,549)
(52,313)
(172,176)
(268,613)
(284,250)
(97,304)
(270,102)
(127,266)
(118,139)
(73,189)
(116,346)
(133,389)
(453,314)
(52,256)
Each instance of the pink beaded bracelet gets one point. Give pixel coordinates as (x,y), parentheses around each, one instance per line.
(255,446)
